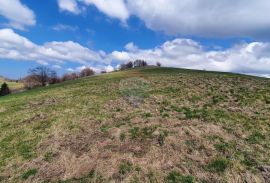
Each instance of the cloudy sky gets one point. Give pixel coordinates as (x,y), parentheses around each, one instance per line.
(68,35)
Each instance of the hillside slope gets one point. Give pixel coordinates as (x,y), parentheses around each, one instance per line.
(142,125)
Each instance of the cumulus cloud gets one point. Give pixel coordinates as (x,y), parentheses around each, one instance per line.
(249,58)
(16,47)
(109,68)
(69,6)
(207,18)
(112,8)
(18,15)
(210,18)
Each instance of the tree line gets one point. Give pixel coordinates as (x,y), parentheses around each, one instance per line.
(43,76)
(136,64)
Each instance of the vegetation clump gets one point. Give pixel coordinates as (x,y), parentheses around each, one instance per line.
(4,90)
(176,177)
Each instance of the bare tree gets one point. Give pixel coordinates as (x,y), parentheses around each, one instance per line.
(87,72)
(53,78)
(31,82)
(70,76)
(42,76)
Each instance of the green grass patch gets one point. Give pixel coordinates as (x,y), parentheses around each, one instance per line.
(29,173)
(176,177)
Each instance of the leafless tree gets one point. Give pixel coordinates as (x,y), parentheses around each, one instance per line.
(40,76)
(70,76)
(87,72)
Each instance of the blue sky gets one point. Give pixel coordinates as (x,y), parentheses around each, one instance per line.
(68,35)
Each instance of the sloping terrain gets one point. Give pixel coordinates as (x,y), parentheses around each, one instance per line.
(142,125)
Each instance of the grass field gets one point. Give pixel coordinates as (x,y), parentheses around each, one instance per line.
(12,85)
(143,125)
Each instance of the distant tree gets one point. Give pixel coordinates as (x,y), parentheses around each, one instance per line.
(70,76)
(87,72)
(125,66)
(140,63)
(158,64)
(31,81)
(4,90)
(42,74)
(103,72)
(54,78)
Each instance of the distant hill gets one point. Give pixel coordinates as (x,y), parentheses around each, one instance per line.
(141,125)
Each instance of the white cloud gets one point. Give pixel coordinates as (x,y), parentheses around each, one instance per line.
(109,68)
(131,47)
(249,58)
(252,58)
(69,5)
(207,18)
(63,27)
(112,8)
(210,18)
(16,47)
(70,70)
(18,15)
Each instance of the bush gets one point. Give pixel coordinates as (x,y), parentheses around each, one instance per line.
(4,90)
(158,64)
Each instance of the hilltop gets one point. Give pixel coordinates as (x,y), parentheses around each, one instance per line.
(141,125)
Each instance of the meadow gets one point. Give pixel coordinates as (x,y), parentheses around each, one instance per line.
(140,125)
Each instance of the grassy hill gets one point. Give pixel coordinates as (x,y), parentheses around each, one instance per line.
(143,125)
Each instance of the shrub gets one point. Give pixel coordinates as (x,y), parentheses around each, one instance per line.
(4,90)
(158,64)
(176,177)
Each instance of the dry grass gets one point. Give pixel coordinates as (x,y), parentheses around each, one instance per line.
(189,126)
